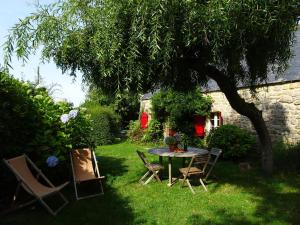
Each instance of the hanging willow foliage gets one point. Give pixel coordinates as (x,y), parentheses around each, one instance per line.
(142,44)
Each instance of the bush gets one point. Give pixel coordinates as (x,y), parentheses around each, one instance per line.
(286,156)
(178,109)
(106,124)
(135,132)
(30,123)
(153,133)
(127,106)
(234,141)
(196,141)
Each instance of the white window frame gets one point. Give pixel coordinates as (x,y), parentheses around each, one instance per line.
(215,121)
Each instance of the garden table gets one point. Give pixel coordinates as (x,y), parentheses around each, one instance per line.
(165,152)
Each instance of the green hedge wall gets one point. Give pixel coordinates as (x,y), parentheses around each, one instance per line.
(106,124)
(30,123)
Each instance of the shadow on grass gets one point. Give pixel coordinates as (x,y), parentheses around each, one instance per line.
(109,208)
(277,198)
(110,166)
(220,217)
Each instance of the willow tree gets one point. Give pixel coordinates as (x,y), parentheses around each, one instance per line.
(139,45)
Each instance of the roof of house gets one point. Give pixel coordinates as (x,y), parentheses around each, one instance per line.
(291,74)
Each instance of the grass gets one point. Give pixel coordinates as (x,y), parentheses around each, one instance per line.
(233,198)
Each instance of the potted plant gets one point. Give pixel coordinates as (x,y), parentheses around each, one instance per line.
(171,142)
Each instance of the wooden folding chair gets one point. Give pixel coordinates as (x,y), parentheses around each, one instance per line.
(214,156)
(196,167)
(153,169)
(85,169)
(30,184)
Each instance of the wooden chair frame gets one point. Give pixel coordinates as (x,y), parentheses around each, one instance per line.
(190,170)
(96,173)
(214,156)
(151,169)
(22,183)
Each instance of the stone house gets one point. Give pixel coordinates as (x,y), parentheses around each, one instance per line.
(279,101)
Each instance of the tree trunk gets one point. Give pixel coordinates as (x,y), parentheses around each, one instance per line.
(246,109)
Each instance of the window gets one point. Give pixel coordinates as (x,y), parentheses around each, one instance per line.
(215,120)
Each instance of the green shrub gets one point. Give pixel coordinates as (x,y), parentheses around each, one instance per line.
(106,124)
(30,122)
(234,141)
(196,141)
(153,133)
(135,132)
(179,108)
(127,106)
(286,156)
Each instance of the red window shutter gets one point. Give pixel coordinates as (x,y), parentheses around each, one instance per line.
(199,125)
(144,120)
(220,119)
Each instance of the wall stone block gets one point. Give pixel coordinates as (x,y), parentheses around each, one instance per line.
(280,104)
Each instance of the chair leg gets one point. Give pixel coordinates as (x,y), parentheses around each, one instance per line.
(76,191)
(184,179)
(42,201)
(63,197)
(16,195)
(47,207)
(209,172)
(190,186)
(15,198)
(144,176)
(101,186)
(156,176)
(150,178)
(203,185)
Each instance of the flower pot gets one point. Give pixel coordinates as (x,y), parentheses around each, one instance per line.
(172,148)
(172,132)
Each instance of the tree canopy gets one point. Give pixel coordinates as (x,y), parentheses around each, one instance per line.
(139,45)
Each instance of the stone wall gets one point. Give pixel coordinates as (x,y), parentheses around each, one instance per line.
(280,104)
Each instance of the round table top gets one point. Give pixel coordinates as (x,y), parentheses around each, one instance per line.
(191,151)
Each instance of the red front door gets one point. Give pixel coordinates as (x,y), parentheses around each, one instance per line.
(144,120)
(199,125)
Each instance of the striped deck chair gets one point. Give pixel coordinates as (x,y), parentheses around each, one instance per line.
(85,169)
(31,184)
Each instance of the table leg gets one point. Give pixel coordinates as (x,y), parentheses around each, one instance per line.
(161,163)
(170,172)
(160,160)
(183,162)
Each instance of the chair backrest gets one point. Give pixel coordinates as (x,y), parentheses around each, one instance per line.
(202,161)
(84,164)
(143,157)
(198,161)
(215,151)
(215,154)
(19,167)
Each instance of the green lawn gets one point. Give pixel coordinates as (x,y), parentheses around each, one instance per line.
(233,198)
